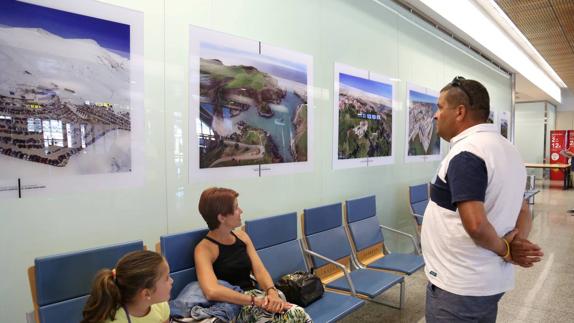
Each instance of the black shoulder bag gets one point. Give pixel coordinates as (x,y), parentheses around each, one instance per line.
(301,288)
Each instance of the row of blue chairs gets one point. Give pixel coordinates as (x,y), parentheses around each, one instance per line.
(351,259)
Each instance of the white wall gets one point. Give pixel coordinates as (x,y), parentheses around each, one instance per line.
(363,34)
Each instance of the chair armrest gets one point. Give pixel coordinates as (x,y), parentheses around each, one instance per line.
(338,265)
(403,234)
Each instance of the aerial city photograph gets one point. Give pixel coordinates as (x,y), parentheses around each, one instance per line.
(64,92)
(365,117)
(423,139)
(253,108)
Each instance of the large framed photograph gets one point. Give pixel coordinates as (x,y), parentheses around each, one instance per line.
(363,118)
(250,108)
(71,89)
(422,140)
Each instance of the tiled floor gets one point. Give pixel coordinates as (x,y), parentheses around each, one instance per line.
(543,293)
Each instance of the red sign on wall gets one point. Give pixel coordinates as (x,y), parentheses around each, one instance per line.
(570,144)
(558,142)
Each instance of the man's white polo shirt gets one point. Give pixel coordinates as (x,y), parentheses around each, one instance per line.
(481,165)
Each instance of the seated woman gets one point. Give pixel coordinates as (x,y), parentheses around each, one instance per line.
(230,256)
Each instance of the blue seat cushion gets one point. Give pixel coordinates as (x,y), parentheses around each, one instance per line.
(181,279)
(178,248)
(419,208)
(367,282)
(405,263)
(68,311)
(418,193)
(332,244)
(333,307)
(322,218)
(284,258)
(70,275)
(270,231)
(366,233)
(361,208)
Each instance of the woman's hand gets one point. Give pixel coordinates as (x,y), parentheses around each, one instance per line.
(260,301)
(275,304)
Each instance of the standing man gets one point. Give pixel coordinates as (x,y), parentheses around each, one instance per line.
(569,153)
(476,223)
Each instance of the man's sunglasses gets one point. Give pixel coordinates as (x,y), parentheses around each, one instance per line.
(457,82)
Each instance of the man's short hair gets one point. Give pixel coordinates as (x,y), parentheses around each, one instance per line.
(470,93)
(215,201)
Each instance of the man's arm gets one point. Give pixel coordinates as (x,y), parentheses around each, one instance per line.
(524,253)
(478,227)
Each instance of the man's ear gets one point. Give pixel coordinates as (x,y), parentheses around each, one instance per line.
(220,218)
(460,112)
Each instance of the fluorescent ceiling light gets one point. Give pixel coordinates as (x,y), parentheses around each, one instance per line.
(471,19)
(494,10)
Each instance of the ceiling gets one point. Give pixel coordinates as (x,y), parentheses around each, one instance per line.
(549,26)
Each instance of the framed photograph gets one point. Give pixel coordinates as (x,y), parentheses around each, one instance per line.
(363,118)
(250,108)
(491,116)
(504,123)
(422,140)
(71,96)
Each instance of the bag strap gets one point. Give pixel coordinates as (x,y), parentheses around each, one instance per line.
(127,314)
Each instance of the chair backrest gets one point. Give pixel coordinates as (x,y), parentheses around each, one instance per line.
(61,284)
(324,233)
(361,218)
(419,199)
(178,250)
(275,239)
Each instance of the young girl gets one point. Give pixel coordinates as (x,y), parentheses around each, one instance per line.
(136,291)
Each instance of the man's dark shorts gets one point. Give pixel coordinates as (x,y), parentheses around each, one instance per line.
(442,306)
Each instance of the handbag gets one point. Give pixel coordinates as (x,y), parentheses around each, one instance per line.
(301,288)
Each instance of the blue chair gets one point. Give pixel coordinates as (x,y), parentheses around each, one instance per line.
(61,284)
(331,256)
(178,250)
(418,201)
(368,240)
(275,239)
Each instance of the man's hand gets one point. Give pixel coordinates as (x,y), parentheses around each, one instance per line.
(524,253)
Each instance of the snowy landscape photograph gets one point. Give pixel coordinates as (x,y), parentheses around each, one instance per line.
(65,103)
(422,138)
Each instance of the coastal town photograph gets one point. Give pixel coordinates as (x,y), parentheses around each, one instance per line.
(253,108)
(423,139)
(365,117)
(64,92)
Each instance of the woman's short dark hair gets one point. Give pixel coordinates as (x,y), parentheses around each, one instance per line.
(215,201)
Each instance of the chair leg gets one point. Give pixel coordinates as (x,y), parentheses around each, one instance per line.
(402,296)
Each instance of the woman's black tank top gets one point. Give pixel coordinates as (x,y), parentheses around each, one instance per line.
(233,264)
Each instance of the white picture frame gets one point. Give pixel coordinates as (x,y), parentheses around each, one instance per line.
(370,88)
(238,51)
